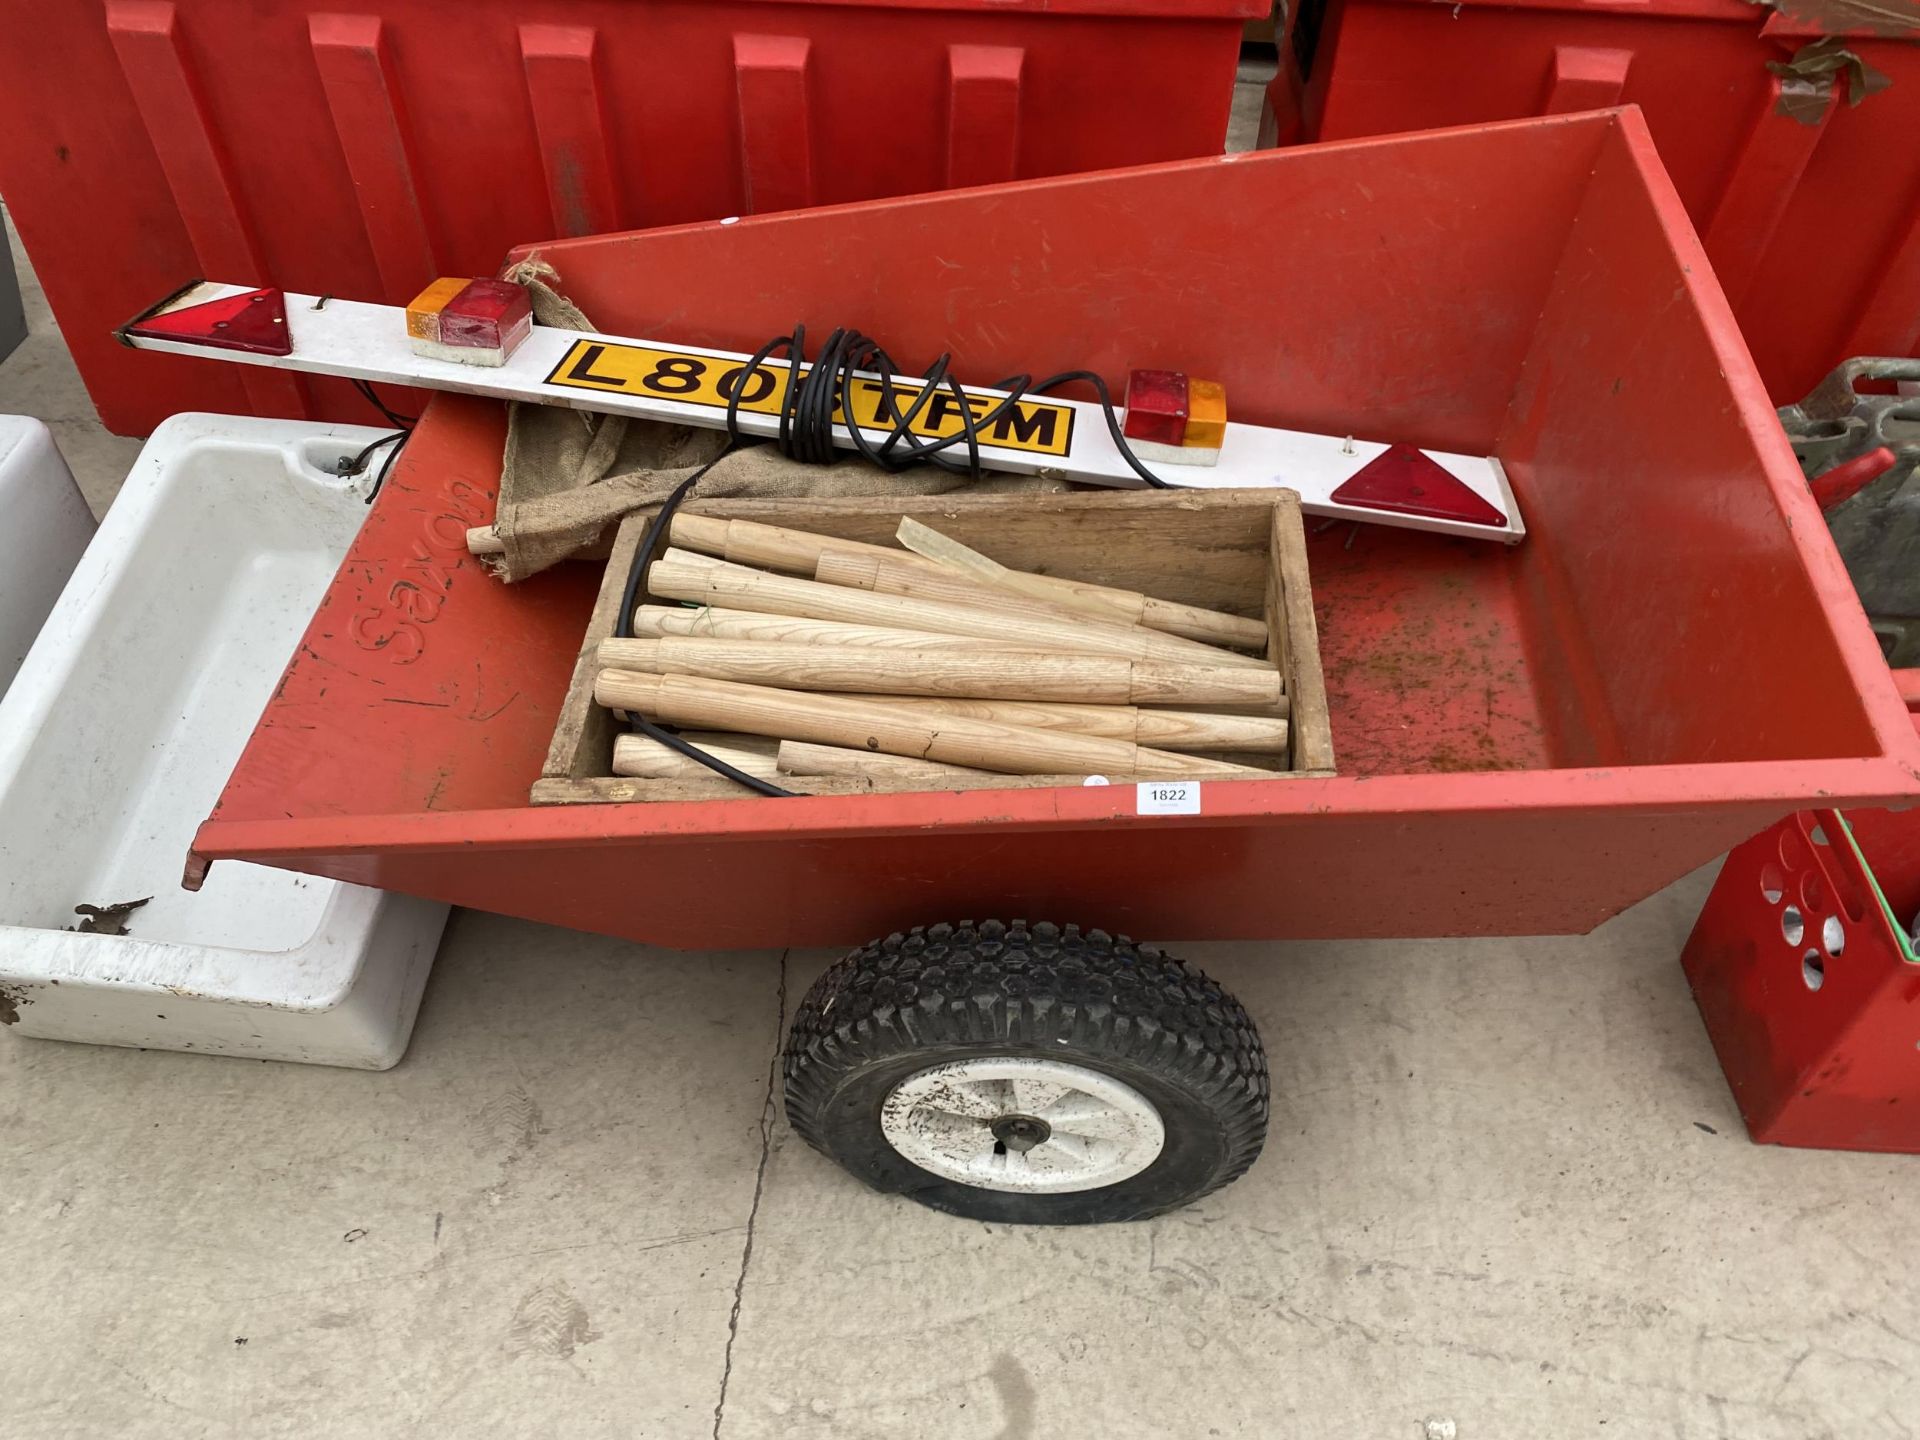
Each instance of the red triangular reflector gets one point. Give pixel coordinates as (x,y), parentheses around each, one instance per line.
(254,321)
(1411,482)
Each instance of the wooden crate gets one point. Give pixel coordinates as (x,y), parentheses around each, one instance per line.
(1242,551)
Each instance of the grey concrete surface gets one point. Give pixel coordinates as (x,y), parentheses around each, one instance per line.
(1505,1187)
(1249,94)
(1505,1197)
(532,1227)
(13,316)
(39,379)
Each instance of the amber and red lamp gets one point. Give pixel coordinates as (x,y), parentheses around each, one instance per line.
(1175,419)
(471,322)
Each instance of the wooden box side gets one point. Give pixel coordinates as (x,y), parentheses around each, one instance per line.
(583,738)
(1297,640)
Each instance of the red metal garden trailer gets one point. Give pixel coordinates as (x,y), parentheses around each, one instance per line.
(1529,739)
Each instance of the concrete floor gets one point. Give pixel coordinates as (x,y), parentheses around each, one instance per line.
(1506,1194)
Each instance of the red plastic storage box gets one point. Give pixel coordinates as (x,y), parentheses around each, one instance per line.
(1811,218)
(364,151)
(1804,969)
(1528,738)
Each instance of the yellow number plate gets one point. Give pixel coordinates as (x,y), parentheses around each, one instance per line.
(1040,426)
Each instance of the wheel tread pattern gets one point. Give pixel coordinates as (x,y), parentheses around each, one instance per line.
(993,982)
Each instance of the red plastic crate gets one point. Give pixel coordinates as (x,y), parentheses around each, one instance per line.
(1814,229)
(1806,976)
(364,152)
(1529,739)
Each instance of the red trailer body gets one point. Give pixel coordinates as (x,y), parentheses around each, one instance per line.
(1529,739)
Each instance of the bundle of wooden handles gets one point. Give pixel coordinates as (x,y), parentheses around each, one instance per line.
(825,665)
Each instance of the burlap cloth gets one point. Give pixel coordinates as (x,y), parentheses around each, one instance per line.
(567,475)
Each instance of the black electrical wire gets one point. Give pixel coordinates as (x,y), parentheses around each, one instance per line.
(358,463)
(806,434)
(806,414)
(403,422)
(642,560)
(400,439)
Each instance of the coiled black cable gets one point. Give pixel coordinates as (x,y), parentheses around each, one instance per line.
(806,413)
(813,394)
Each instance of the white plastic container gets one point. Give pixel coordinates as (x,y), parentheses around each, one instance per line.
(44,529)
(118,735)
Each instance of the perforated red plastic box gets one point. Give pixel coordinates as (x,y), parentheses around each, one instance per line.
(1804,968)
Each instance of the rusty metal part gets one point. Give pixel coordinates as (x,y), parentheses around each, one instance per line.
(106,919)
(1878,530)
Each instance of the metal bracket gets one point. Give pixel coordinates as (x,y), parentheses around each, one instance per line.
(1877,531)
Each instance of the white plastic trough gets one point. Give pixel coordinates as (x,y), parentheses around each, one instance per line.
(120,731)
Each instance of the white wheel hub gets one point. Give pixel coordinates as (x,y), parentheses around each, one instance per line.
(1032,1126)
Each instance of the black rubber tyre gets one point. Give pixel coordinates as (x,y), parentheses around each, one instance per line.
(965,991)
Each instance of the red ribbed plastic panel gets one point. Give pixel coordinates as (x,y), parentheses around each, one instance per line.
(364,151)
(1810,208)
